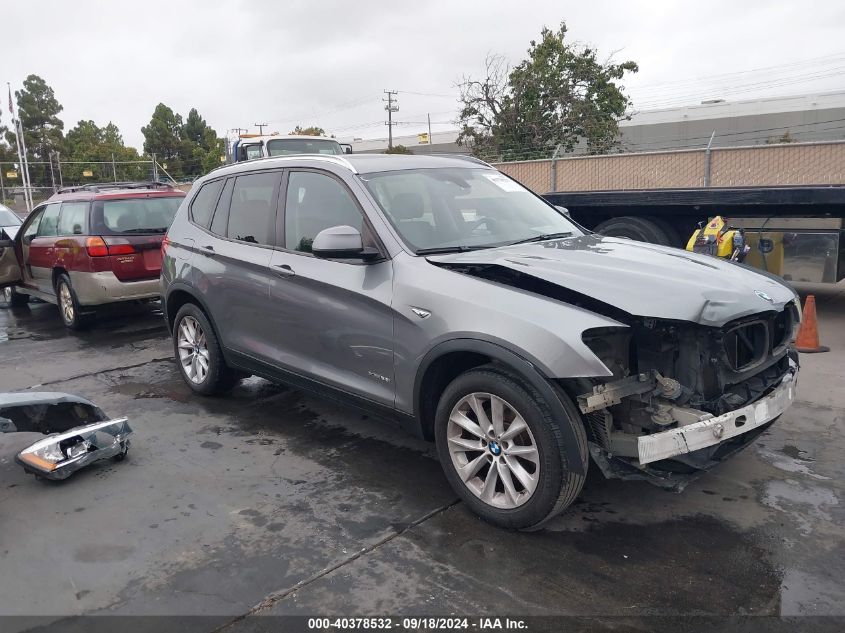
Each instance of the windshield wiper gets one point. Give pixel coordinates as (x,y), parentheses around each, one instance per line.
(448,249)
(543,238)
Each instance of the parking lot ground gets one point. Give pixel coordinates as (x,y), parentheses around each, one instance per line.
(272,501)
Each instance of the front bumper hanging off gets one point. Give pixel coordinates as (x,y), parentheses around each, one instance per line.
(706,433)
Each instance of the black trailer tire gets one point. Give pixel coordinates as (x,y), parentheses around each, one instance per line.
(640,229)
(674,236)
(556,487)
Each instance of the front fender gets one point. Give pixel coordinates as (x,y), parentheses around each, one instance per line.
(526,370)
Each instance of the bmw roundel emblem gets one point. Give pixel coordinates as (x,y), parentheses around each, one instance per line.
(495,448)
(764,296)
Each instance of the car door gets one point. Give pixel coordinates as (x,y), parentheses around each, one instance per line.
(25,237)
(42,250)
(10,270)
(232,258)
(330,320)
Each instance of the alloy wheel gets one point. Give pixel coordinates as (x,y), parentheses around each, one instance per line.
(66,303)
(193,350)
(493,450)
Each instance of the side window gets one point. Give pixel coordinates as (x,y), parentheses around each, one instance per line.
(49,221)
(72,219)
(221,214)
(252,214)
(203,205)
(253,151)
(315,202)
(31,229)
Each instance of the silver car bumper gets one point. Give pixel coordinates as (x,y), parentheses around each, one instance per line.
(692,437)
(103,287)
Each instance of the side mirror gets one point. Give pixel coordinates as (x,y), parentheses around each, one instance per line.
(341,242)
(564,211)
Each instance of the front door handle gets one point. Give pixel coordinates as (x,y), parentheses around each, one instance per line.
(283,270)
(208,249)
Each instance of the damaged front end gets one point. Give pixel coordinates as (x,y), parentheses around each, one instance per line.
(79,433)
(683,397)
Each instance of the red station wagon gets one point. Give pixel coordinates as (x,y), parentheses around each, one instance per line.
(88,246)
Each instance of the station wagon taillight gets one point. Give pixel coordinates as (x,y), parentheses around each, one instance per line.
(97,247)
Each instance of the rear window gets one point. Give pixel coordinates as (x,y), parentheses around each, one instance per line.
(288,146)
(134,215)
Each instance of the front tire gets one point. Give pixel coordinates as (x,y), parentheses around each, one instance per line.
(199,355)
(502,451)
(69,308)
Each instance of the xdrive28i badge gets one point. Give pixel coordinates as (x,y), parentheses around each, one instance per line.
(764,296)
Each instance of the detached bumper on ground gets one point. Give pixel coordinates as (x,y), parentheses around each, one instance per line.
(699,435)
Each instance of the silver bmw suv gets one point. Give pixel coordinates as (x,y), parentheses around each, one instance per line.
(445,296)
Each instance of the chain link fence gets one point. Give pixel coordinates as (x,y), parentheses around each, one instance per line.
(758,165)
(47,177)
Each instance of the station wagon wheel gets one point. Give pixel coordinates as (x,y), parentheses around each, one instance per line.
(493,450)
(193,350)
(68,304)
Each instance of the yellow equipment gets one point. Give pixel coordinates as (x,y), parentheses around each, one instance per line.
(719,239)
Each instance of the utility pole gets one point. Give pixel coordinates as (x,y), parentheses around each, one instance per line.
(261,127)
(113,167)
(155,168)
(391,107)
(430,137)
(59,167)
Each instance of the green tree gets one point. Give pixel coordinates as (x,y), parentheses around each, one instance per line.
(201,147)
(311,130)
(398,149)
(163,137)
(560,95)
(88,146)
(38,111)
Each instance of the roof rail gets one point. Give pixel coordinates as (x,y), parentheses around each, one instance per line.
(97,187)
(471,159)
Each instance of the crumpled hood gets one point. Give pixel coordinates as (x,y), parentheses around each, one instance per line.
(642,279)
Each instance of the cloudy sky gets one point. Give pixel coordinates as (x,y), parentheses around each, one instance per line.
(326,62)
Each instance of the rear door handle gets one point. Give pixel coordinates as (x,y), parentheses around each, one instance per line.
(283,270)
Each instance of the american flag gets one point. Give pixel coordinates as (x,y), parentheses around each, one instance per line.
(11,108)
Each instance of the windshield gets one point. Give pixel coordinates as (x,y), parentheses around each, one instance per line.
(288,146)
(8,218)
(454,208)
(135,215)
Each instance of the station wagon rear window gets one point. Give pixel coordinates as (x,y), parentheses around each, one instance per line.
(134,215)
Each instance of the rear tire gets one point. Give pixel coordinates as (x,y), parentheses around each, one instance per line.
(199,355)
(469,453)
(639,229)
(69,308)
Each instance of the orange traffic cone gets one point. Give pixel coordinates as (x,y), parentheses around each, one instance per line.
(808,335)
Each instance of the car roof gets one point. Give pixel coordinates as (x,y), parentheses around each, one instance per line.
(110,191)
(356,163)
(369,163)
(276,137)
